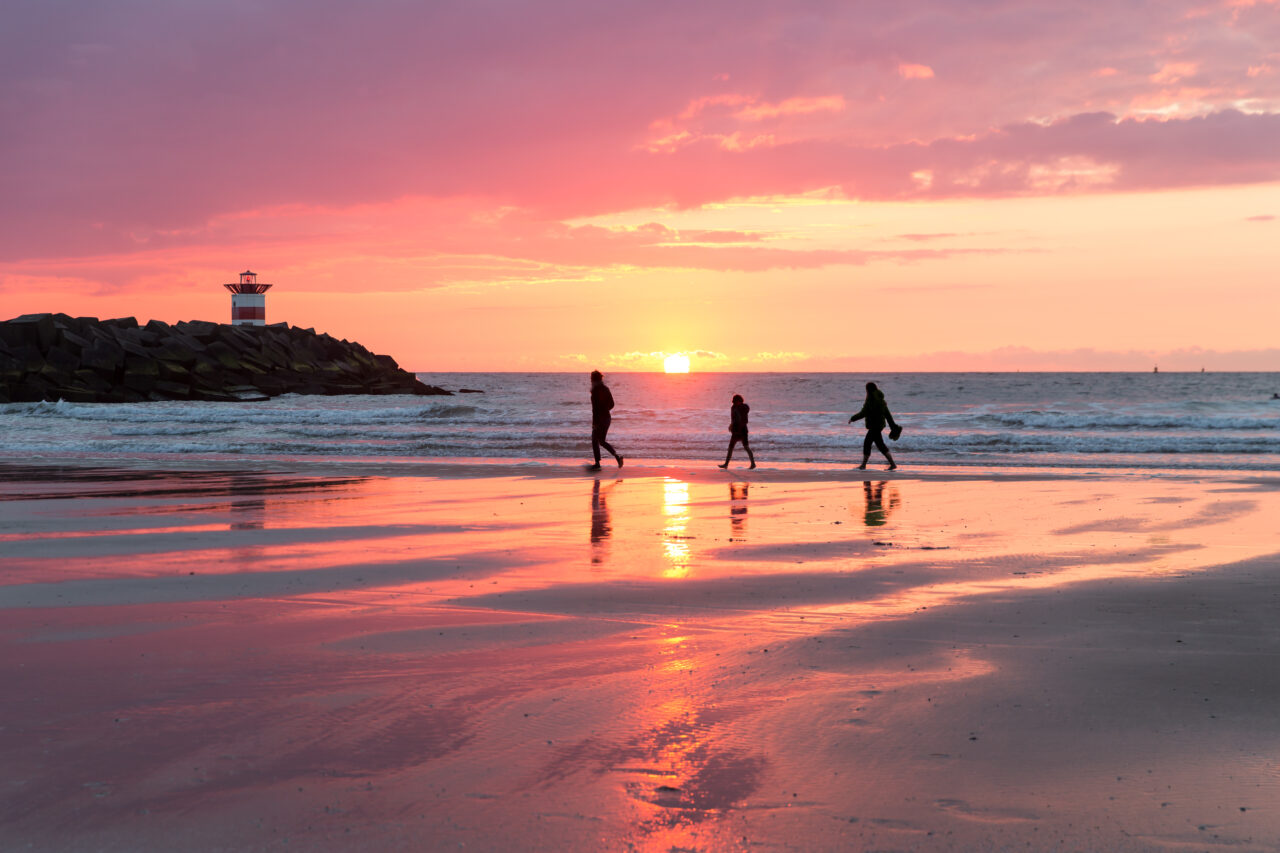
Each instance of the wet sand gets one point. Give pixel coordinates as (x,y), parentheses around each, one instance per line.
(675,658)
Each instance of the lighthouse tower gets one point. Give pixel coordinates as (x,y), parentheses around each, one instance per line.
(248,300)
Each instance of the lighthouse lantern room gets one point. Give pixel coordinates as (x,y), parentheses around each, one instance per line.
(248,300)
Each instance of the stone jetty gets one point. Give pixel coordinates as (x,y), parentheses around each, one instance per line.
(87,360)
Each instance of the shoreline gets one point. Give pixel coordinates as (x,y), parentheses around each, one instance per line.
(693,470)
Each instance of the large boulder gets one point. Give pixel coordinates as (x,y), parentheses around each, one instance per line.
(32,330)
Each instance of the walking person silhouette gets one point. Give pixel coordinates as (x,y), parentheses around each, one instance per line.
(601,405)
(876,412)
(738,430)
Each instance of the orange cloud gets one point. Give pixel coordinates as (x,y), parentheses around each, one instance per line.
(718,119)
(1173,72)
(912,71)
(791,107)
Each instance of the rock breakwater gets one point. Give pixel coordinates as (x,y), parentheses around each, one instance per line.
(87,360)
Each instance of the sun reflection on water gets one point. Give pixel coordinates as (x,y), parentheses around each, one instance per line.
(675,506)
(676,654)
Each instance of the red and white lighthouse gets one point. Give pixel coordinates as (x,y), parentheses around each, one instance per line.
(248,300)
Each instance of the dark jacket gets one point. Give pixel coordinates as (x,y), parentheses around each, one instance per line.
(601,402)
(738,418)
(875,410)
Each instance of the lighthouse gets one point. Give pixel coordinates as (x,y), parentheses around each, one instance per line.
(248,300)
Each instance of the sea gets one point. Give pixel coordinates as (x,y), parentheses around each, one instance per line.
(1222,421)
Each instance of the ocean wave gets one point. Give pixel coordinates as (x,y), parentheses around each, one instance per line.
(169,430)
(258,414)
(1094,421)
(301,442)
(1124,420)
(441,412)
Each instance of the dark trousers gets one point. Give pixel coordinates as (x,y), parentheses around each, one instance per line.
(600,429)
(876,437)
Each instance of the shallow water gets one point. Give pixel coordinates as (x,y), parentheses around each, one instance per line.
(1072,420)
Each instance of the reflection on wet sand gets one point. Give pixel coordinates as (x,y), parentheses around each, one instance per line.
(43,482)
(409,663)
(738,510)
(601,527)
(249,509)
(877,494)
(693,772)
(675,547)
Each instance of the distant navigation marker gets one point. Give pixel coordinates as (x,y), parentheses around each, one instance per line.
(248,300)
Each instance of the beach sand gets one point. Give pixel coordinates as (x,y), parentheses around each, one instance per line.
(664,658)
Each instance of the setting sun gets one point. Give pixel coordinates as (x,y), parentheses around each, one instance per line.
(676,363)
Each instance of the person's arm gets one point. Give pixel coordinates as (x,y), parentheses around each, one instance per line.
(608,398)
(862,413)
(888,416)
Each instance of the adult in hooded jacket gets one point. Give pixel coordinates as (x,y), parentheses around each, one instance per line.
(876,413)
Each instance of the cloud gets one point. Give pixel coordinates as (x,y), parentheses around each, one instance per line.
(1092,152)
(791,107)
(1006,358)
(1088,152)
(912,71)
(1174,72)
(1262,217)
(779,359)
(423,243)
(127,124)
(922,238)
(1012,358)
(635,360)
(729,121)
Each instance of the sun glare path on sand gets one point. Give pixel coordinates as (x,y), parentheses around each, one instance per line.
(676,363)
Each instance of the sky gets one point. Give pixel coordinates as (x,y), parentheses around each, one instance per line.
(568,184)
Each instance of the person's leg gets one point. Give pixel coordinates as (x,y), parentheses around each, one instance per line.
(597,437)
(885,450)
(604,431)
(746,445)
(733,440)
(866,449)
(609,447)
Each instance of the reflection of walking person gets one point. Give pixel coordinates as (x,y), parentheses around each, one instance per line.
(877,513)
(601,405)
(738,430)
(876,411)
(601,528)
(738,493)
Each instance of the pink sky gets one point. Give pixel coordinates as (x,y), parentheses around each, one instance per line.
(555,185)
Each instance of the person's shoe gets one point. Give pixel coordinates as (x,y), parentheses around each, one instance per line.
(862,467)
(595,466)
(893,467)
(752,465)
(619,461)
(723,465)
